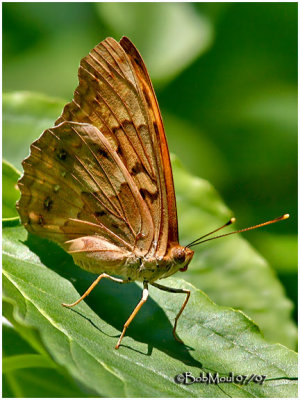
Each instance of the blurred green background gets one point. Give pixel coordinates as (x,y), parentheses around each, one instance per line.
(225,75)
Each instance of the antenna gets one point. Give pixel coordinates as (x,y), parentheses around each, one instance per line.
(231,221)
(199,240)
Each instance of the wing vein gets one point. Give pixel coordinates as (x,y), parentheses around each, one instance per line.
(151,172)
(125,219)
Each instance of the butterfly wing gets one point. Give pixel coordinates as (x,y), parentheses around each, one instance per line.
(155,118)
(116,96)
(75,185)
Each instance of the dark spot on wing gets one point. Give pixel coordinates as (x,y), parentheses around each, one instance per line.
(142,128)
(114,129)
(62,155)
(156,128)
(120,151)
(145,194)
(48,203)
(99,213)
(103,153)
(138,61)
(147,97)
(126,123)
(142,191)
(136,168)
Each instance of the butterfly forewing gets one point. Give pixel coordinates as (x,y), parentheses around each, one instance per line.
(162,151)
(115,95)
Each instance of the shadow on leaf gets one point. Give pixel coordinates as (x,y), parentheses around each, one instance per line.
(114,303)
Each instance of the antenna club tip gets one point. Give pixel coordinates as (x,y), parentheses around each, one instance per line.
(231,221)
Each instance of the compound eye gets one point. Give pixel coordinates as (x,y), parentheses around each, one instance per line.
(179,255)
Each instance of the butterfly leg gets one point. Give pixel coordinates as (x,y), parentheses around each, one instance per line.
(92,287)
(135,311)
(171,290)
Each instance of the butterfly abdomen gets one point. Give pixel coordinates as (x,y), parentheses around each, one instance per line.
(97,255)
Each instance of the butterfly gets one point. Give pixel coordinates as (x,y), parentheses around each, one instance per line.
(99,183)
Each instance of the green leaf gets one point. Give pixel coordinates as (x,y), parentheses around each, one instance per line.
(10,192)
(217,339)
(209,161)
(25,116)
(282,252)
(40,383)
(280,249)
(13,363)
(229,270)
(27,374)
(154,26)
(25,333)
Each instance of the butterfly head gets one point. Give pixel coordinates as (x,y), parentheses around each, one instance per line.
(182,256)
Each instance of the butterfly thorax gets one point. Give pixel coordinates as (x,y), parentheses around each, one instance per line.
(153,268)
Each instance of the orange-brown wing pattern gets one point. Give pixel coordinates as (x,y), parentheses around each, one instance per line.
(115,95)
(146,86)
(76,185)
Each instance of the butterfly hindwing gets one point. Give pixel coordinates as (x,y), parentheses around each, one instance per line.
(75,185)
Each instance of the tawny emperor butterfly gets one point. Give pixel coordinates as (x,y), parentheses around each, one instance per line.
(99,183)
